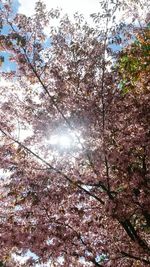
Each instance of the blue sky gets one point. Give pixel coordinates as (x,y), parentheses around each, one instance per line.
(27,7)
(82,6)
(8,65)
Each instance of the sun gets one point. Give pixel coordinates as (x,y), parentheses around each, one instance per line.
(65,141)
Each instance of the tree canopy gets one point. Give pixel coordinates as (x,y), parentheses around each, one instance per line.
(75,138)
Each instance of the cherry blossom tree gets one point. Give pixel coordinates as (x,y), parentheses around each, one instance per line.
(75,139)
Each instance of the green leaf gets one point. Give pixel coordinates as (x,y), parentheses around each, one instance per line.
(2,264)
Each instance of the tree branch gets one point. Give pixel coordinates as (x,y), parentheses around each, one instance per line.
(125,254)
(75,183)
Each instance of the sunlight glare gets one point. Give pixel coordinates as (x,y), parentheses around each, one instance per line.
(62,141)
(65,141)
